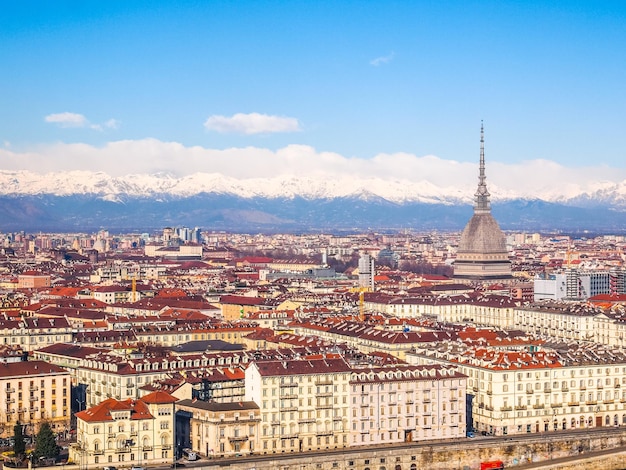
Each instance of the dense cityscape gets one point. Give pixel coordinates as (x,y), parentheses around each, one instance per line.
(276,236)
(144,349)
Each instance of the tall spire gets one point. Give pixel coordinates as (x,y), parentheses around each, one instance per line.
(481,197)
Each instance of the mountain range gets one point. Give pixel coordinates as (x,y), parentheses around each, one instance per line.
(83,201)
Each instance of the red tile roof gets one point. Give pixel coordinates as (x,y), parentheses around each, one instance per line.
(158,397)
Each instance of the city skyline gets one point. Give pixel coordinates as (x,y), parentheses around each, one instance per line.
(333,89)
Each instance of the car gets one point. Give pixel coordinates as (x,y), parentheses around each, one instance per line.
(109,468)
(134,467)
(471,434)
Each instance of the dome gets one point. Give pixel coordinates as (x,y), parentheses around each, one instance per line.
(482,234)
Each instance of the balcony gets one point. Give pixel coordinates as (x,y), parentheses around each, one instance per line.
(324,433)
(573,403)
(289,396)
(34,388)
(166,446)
(539,406)
(289,385)
(324,394)
(33,398)
(306,420)
(324,382)
(146,448)
(530,391)
(556,405)
(521,407)
(285,409)
(122,450)
(591,402)
(98,452)
(244,438)
(506,408)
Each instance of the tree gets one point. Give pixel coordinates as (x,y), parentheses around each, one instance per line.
(45,443)
(19,446)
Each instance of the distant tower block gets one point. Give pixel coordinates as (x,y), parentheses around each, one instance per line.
(366,272)
(482,253)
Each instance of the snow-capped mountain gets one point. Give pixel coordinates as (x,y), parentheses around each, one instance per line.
(113,188)
(82,200)
(19,183)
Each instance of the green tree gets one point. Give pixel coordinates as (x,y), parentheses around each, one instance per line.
(45,443)
(19,446)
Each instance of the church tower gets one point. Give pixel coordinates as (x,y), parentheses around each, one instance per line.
(482,253)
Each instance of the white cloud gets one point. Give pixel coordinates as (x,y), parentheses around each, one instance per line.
(252,123)
(67,119)
(112,124)
(149,156)
(78,120)
(378,61)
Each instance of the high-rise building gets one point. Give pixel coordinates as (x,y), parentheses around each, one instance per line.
(367,271)
(482,253)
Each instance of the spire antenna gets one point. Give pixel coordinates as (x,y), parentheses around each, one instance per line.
(482,203)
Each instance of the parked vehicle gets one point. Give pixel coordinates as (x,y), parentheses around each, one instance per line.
(190,455)
(492,465)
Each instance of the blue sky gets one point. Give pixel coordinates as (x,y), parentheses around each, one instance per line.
(353,79)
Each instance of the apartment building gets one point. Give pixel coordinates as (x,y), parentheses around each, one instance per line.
(406,403)
(370,338)
(494,310)
(518,387)
(33,280)
(565,321)
(126,432)
(115,375)
(220,429)
(31,333)
(303,403)
(34,392)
